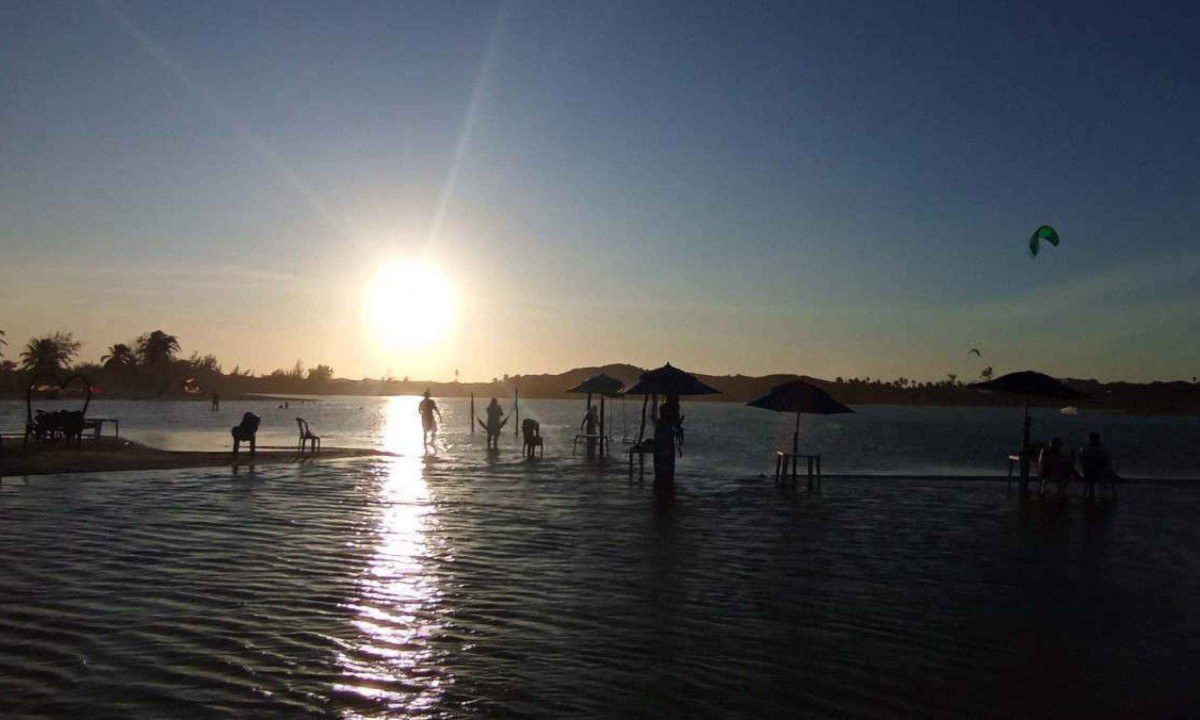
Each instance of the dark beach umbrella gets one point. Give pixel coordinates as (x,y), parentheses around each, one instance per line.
(598,384)
(801,398)
(1029,384)
(668,380)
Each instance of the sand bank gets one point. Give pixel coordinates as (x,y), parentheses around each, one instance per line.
(117,455)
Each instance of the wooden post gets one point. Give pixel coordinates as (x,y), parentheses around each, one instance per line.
(517,411)
(471,419)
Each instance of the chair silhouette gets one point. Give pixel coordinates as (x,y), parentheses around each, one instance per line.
(307,436)
(532,432)
(246,431)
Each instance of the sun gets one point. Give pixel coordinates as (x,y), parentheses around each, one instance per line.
(410,305)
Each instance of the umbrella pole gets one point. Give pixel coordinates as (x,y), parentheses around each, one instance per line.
(591,444)
(1025,438)
(795,448)
(602,435)
(642,429)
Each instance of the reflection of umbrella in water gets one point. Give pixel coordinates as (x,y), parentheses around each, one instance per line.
(801,398)
(599,384)
(1029,384)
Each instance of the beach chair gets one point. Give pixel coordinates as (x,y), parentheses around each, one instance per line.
(307,436)
(531,430)
(245,431)
(640,450)
(593,440)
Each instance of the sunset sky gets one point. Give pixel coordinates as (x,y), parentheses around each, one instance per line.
(823,188)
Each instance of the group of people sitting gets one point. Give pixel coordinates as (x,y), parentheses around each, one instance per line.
(1092,463)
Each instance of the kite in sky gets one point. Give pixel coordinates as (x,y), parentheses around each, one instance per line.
(1045,232)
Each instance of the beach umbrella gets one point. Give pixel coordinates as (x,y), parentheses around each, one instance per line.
(1028,384)
(801,398)
(668,380)
(602,385)
(599,383)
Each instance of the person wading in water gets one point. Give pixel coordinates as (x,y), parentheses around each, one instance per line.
(427,408)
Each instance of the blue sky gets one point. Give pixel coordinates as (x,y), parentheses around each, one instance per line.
(832,189)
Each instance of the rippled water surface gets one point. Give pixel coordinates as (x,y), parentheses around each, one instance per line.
(467,586)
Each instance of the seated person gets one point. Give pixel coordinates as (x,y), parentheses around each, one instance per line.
(1054,465)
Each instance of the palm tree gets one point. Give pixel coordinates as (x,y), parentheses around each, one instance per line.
(157,348)
(119,355)
(51,353)
(2,343)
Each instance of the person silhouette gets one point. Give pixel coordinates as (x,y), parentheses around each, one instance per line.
(1054,466)
(495,422)
(1095,463)
(589,425)
(427,408)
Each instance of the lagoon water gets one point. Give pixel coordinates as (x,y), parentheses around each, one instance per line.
(469,586)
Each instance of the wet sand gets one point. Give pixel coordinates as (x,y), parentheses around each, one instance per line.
(109,454)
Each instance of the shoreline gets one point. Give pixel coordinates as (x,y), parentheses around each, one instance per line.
(105,455)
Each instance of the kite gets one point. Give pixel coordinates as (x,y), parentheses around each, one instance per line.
(1045,232)
(975,351)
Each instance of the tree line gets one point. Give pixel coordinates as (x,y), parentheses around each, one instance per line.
(147,365)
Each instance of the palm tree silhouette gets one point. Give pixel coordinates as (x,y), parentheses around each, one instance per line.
(118,355)
(51,353)
(157,348)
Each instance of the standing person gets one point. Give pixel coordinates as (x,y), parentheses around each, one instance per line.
(216,401)
(427,408)
(667,429)
(495,423)
(591,421)
(1095,464)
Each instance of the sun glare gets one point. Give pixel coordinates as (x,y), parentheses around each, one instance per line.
(410,305)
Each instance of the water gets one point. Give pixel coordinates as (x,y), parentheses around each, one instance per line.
(724,440)
(462,587)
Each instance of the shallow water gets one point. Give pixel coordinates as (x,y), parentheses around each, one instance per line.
(724,440)
(468,585)
(381,587)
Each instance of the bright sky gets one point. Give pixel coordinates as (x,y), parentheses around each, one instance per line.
(826,188)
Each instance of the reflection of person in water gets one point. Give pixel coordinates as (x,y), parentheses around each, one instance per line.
(428,426)
(495,421)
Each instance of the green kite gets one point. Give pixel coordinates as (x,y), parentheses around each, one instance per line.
(1044,232)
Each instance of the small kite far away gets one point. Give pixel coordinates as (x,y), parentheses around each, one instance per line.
(1045,232)
(975,351)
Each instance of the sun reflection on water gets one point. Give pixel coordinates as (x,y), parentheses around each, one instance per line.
(391,664)
(400,427)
